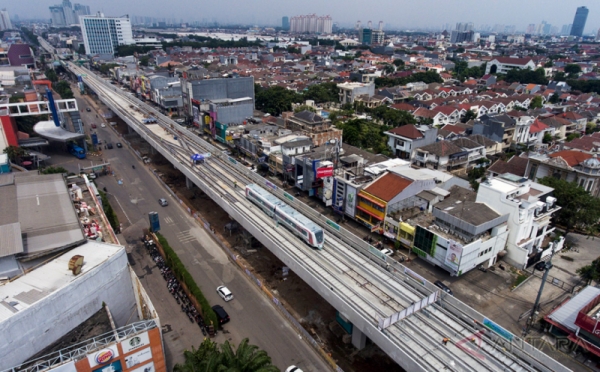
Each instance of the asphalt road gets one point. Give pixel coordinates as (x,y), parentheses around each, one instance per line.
(252,314)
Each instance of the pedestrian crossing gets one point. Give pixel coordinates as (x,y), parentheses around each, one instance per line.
(185,237)
(168,220)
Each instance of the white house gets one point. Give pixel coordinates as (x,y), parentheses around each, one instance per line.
(503,65)
(530,206)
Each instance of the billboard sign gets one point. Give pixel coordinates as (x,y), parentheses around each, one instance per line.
(145,368)
(138,357)
(350,202)
(135,342)
(67,367)
(103,356)
(112,367)
(324,172)
(453,254)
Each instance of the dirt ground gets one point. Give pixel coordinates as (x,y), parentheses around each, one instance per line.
(313,312)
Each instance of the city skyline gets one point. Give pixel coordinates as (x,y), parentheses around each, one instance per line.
(395,14)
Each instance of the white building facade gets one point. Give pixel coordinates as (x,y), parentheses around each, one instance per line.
(530,206)
(5,23)
(102,35)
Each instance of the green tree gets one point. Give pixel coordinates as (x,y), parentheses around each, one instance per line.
(536,102)
(304,108)
(549,64)
(470,115)
(53,170)
(398,62)
(208,358)
(15,152)
(389,69)
(572,69)
(554,98)
(572,136)
(527,76)
(547,138)
(275,100)
(51,75)
(579,209)
(321,93)
(144,60)
(590,272)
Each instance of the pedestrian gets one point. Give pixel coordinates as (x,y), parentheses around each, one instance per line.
(235,184)
(445,340)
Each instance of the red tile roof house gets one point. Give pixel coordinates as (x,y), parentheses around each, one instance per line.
(403,140)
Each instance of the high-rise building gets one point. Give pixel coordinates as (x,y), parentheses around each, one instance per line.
(66,14)
(5,23)
(285,23)
(467,26)
(368,36)
(102,35)
(530,29)
(311,24)
(461,36)
(566,30)
(579,21)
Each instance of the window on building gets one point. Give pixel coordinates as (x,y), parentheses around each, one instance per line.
(581,182)
(590,184)
(533,171)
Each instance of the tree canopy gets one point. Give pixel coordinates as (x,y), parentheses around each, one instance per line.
(579,209)
(321,93)
(211,357)
(275,100)
(365,135)
(536,102)
(426,77)
(590,272)
(527,76)
(462,71)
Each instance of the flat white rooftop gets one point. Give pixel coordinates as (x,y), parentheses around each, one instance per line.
(52,276)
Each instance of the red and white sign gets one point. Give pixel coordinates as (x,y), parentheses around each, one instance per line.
(324,172)
(103,356)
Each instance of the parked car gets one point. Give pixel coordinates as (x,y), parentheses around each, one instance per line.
(163,202)
(225,293)
(103,125)
(388,252)
(119,145)
(94,126)
(222,315)
(444,287)
(109,146)
(88,109)
(293,369)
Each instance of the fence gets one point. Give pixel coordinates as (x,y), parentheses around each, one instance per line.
(255,280)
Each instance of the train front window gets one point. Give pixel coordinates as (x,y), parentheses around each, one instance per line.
(319,236)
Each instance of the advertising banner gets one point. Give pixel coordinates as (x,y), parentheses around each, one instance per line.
(138,357)
(350,202)
(112,367)
(414,275)
(324,172)
(453,254)
(103,356)
(145,368)
(135,342)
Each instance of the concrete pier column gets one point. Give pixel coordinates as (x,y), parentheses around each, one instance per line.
(189,184)
(359,339)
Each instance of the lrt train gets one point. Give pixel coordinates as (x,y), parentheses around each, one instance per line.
(296,222)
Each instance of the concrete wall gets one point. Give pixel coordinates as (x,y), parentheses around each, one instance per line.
(223,88)
(60,312)
(235,114)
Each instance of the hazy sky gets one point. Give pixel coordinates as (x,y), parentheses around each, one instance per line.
(397,13)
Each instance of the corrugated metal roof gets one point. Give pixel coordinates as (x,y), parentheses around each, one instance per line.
(11,241)
(567,313)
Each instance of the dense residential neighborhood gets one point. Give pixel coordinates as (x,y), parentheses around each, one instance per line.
(453,155)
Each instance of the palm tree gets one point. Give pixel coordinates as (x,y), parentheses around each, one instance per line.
(208,358)
(247,358)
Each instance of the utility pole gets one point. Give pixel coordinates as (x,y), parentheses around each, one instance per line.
(531,317)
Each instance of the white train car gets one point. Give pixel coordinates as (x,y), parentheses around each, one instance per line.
(296,222)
